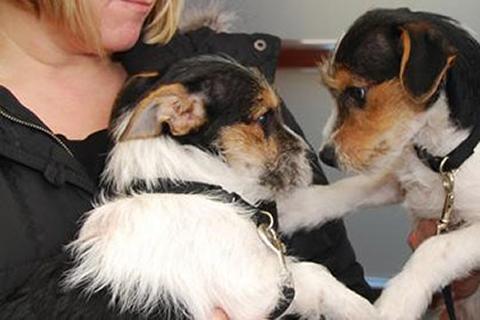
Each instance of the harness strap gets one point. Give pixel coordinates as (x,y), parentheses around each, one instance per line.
(162,185)
(264,217)
(456,157)
(449,303)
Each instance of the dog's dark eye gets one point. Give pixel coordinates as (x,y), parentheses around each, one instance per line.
(264,119)
(354,97)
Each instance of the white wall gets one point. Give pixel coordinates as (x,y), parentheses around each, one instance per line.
(329,18)
(377,235)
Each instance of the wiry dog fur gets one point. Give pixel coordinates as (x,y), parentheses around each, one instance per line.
(208,120)
(402,78)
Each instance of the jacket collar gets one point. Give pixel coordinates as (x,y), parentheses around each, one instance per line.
(25,139)
(10,103)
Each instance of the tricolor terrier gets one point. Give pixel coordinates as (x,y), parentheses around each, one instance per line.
(172,232)
(175,229)
(407,92)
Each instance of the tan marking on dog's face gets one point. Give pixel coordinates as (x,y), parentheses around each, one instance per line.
(337,83)
(341,78)
(363,135)
(271,152)
(265,101)
(249,138)
(168,104)
(246,144)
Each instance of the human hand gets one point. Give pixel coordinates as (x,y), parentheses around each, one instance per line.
(461,288)
(424,229)
(219,314)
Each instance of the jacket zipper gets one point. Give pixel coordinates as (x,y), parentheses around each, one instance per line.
(36,127)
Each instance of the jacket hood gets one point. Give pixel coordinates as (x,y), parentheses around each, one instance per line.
(212,14)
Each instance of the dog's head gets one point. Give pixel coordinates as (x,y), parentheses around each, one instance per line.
(387,71)
(216,105)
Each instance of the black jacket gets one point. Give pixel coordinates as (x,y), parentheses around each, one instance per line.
(44,190)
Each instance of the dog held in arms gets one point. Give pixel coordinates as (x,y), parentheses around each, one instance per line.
(192,148)
(407,116)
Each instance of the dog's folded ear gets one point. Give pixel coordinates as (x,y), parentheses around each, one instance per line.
(426,58)
(169,107)
(135,86)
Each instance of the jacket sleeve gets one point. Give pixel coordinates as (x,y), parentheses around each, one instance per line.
(329,244)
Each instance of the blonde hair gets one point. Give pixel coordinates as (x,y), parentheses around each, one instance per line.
(77,17)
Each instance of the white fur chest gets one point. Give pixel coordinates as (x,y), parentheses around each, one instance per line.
(424,192)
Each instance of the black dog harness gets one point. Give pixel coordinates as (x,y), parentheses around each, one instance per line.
(447,166)
(263,219)
(455,158)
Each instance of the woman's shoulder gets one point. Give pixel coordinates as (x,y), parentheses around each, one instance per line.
(43,192)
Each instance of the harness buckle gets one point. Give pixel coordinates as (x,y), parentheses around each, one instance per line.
(271,239)
(448,182)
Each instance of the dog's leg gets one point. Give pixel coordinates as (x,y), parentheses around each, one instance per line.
(316,205)
(436,263)
(319,293)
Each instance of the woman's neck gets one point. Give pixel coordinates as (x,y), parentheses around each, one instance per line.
(69,89)
(39,45)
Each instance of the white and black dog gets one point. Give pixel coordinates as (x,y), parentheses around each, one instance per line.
(407,89)
(175,229)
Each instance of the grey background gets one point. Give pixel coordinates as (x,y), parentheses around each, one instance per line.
(378,236)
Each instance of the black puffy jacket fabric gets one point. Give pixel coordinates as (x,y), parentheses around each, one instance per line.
(44,190)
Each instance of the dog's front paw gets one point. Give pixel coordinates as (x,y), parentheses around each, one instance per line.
(319,293)
(344,304)
(402,300)
(358,308)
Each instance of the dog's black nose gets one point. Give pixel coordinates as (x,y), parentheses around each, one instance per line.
(328,156)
